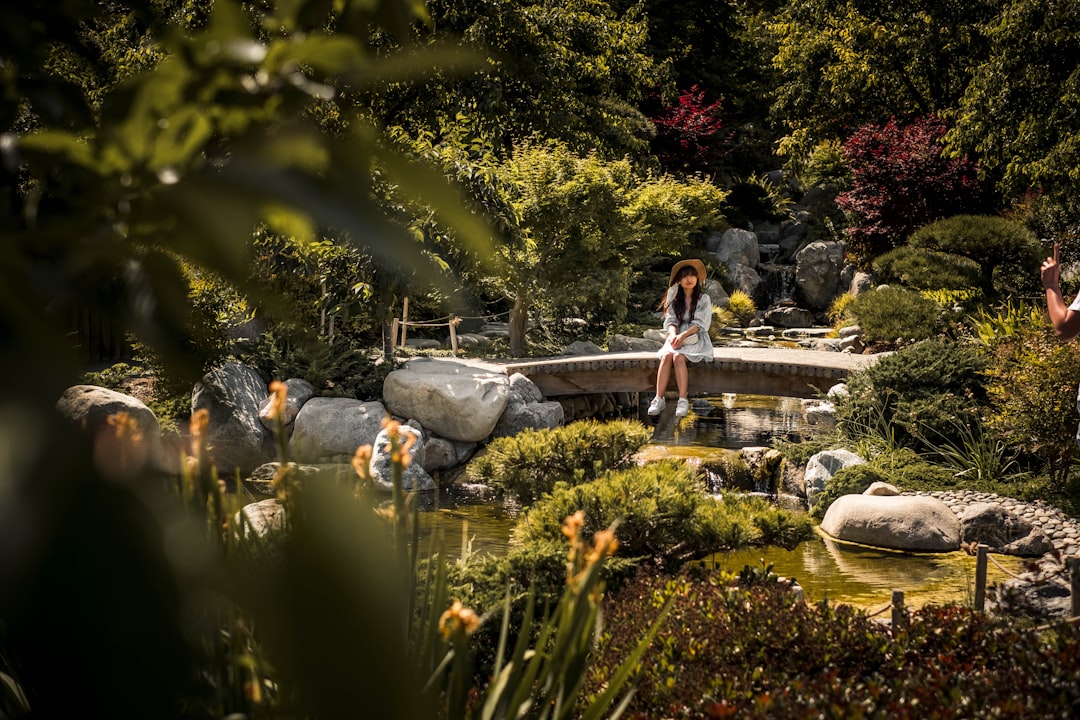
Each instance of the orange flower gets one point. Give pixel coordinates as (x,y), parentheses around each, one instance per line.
(361,462)
(458,618)
(279,397)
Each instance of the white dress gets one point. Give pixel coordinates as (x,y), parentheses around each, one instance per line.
(702,348)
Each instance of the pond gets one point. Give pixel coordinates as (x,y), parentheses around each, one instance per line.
(842,572)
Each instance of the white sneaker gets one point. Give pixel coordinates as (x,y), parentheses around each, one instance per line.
(682,408)
(657,405)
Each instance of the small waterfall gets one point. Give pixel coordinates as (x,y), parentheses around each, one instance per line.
(779,281)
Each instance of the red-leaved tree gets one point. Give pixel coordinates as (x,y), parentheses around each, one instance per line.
(688,133)
(900,182)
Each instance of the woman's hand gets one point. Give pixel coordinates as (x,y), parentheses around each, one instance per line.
(676,341)
(1051,270)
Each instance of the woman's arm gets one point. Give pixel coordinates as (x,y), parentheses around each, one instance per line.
(1064,318)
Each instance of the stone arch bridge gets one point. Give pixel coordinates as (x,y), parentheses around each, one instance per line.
(782,372)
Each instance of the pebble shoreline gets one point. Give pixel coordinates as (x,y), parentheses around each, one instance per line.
(1063,531)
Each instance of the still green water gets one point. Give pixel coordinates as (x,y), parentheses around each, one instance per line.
(844,573)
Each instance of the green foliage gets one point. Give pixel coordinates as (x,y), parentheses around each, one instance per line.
(851,480)
(755,198)
(917,393)
(1032,389)
(582,217)
(895,315)
(1006,322)
(742,307)
(1003,255)
(114,377)
(826,166)
(527,466)
(842,64)
(717,656)
(1017,110)
(335,366)
(924,269)
(664,514)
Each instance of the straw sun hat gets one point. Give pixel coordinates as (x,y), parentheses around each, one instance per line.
(698,266)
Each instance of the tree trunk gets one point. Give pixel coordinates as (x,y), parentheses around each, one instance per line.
(519,318)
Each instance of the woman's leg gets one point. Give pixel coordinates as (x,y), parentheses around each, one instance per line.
(682,375)
(663,374)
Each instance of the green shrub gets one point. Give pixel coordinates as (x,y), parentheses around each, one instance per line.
(1032,390)
(752,652)
(663,513)
(335,366)
(1006,252)
(851,480)
(924,269)
(742,307)
(915,394)
(896,315)
(528,465)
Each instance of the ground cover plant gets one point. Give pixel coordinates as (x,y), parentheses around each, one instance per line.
(757,651)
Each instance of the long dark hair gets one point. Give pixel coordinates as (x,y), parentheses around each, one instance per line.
(678,303)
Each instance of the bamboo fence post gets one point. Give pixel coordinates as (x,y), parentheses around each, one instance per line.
(899,616)
(404,320)
(980,577)
(453,333)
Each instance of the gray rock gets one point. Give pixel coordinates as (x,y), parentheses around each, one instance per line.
(264,520)
(299,391)
(236,439)
(738,247)
(441,454)
(901,522)
(625,343)
(583,347)
(520,416)
(413,478)
(1002,531)
(89,407)
(334,427)
(882,489)
(822,466)
(817,274)
(789,316)
(449,399)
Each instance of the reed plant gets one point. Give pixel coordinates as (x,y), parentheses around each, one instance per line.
(329,615)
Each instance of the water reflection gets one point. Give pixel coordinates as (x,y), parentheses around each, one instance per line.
(853,574)
(730,421)
(865,576)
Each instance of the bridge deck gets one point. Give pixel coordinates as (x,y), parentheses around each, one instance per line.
(753,371)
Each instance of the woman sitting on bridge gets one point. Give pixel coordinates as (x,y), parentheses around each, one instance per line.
(687,315)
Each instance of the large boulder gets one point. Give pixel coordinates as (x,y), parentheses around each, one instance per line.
(738,247)
(327,428)
(449,399)
(918,523)
(89,408)
(817,274)
(236,439)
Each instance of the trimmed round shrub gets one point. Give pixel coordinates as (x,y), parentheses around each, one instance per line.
(1007,253)
(896,315)
(927,269)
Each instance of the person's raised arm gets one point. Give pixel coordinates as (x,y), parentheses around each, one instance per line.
(1065,320)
